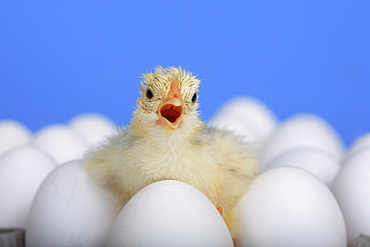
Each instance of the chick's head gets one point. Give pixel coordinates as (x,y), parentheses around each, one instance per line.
(169,98)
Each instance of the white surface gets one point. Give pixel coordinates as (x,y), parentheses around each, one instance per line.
(289,207)
(93,128)
(247,116)
(22,170)
(315,161)
(352,190)
(169,213)
(60,142)
(361,142)
(302,130)
(70,210)
(12,134)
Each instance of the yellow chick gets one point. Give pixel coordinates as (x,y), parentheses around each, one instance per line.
(167,140)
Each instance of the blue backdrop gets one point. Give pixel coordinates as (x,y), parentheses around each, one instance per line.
(62,58)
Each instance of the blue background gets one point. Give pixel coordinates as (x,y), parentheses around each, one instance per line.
(62,58)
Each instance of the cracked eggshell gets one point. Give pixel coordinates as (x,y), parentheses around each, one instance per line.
(169,213)
(60,142)
(352,189)
(69,209)
(22,171)
(13,134)
(288,206)
(92,127)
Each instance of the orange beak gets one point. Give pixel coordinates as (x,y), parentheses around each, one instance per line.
(171,111)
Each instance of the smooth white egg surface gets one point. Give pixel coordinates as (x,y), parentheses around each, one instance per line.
(71,210)
(237,128)
(352,190)
(93,128)
(13,134)
(169,213)
(361,142)
(288,206)
(315,161)
(22,170)
(302,130)
(60,142)
(253,115)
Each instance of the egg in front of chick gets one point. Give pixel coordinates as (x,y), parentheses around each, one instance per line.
(169,213)
(288,206)
(71,210)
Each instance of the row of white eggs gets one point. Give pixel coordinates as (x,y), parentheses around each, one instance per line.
(26,159)
(288,204)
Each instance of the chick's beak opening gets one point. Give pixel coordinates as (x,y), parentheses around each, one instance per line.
(171,113)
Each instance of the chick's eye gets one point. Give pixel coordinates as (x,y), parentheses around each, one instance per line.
(194,98)
(149,94)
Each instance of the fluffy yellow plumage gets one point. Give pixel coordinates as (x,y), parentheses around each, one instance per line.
(167,140)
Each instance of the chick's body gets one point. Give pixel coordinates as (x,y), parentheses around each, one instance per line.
(167,140)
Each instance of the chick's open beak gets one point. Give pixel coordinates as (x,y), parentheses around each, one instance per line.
(171,111)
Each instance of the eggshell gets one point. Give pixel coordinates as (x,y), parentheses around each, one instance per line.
(237,128)
(60,142)
(12,134)
(361,142)
(304,130)
(289,207)
(352,190)
(22,170)
(93,128)
(254,117)
(169,213)
(315,161)
(71,210)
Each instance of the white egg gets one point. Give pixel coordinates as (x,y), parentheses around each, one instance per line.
(361,142)
(71,210)
(12,134)
(61,143)
(247,116)
(22,170)
(169,213)
(352,190)
(93,128)
(236,127)
(315,161)
(289,207)
(303,130)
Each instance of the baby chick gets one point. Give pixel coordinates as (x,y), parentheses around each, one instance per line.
(167,140)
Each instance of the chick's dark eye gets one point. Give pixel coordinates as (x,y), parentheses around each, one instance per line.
(149,94)
(194,98)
